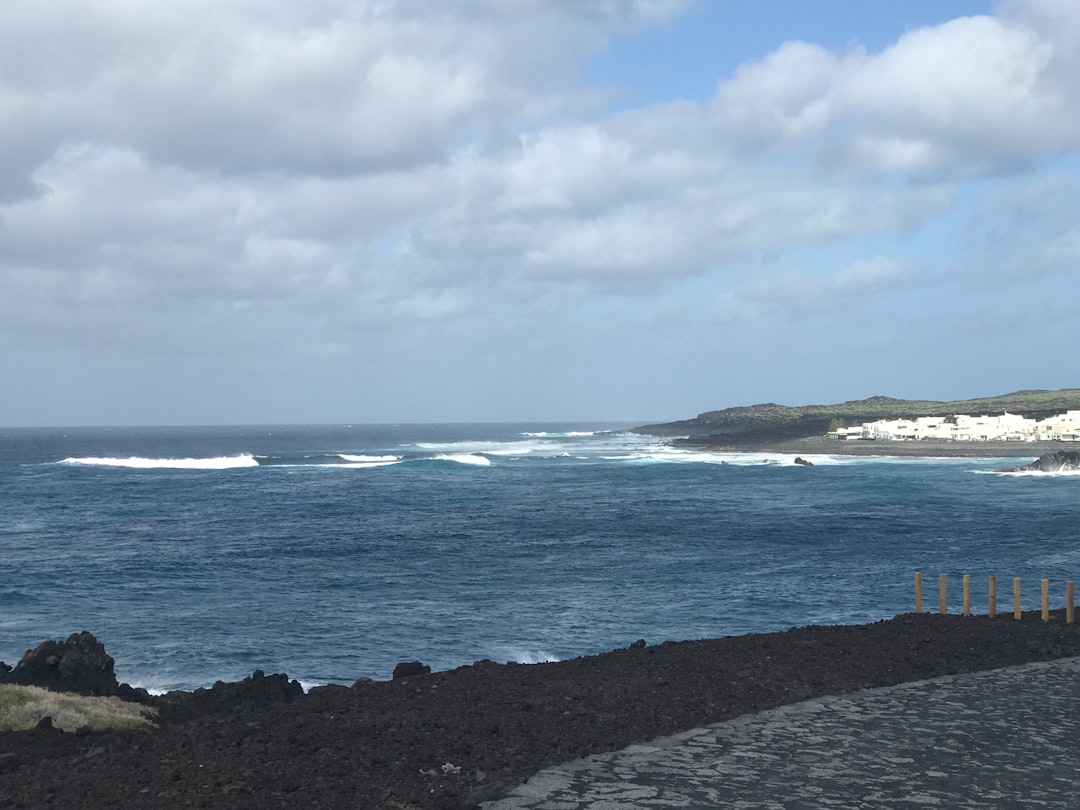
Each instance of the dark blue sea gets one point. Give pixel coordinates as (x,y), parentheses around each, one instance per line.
(330,553)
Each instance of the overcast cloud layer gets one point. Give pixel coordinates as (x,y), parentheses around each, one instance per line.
(241,211)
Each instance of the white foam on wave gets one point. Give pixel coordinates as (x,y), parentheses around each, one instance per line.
(368,459)
(139,463)
(570,434)
(516,448)
(545,445)
(465,458)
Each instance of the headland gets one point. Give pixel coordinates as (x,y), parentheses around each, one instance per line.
(805,429)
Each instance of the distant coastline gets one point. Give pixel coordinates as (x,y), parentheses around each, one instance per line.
(802,429)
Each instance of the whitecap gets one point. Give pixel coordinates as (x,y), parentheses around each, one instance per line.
(465,458)
(570,434)
(368,459)
(139,463)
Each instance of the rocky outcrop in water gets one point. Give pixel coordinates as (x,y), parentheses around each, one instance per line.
(1062,461)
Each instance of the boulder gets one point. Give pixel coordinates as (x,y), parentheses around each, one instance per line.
(1061,461)
(410,669)
(803,462)
(79,664)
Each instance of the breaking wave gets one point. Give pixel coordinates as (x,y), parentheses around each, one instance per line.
(139,463)
(369,459)
(465,458)
(570,434)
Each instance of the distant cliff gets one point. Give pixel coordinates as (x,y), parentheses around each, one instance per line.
(771,422)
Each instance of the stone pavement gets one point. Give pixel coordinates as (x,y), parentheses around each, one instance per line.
(1009,738)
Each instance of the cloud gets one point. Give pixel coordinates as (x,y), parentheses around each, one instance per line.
(975,95)
(781,294)
(325,87)
(317,177)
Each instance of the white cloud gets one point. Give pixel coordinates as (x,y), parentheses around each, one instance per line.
(319,176)
(974,95)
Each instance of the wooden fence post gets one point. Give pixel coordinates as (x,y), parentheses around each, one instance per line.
(967,594)
(1016,598)
(993,597)
(1046,600)
(918,591)
(942,588)
(1069,594)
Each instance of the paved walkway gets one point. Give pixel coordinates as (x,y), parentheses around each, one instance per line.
(1003,739)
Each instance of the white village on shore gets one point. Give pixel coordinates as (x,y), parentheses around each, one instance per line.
(1064,427)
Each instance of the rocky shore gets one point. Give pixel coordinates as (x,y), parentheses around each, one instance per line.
(455,739)
(912,449)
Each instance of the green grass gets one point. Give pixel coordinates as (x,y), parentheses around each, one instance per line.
(21,707)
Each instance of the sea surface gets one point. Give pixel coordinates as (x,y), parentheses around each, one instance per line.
(334,552)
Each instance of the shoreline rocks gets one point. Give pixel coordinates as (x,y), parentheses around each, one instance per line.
(80,665)
(1061,461)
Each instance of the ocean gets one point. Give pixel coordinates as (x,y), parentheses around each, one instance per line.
(334,552)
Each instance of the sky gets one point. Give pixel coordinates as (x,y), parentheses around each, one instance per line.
(364,211)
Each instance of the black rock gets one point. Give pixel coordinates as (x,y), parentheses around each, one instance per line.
(803,462)
(79,664)
(637,645)
(1062,461)
(409,669)
(257,691)
(328,689)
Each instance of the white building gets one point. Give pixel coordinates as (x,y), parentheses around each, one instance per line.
(1064,427)
(964,428)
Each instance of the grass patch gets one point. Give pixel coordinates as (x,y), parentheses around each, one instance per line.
(21,707)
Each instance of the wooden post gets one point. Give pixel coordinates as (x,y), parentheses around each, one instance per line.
(918,591)
(993,597)
(1016,598)
(1046,600)
(1069,594)
(942,587)
(967,594)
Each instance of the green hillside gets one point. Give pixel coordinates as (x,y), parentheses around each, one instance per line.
(769,421)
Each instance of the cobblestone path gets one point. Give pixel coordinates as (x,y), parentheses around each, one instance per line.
(1009,738)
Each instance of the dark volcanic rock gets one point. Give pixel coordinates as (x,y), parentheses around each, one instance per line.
(79,664)
(257,691)
(803,462)
(1062,461)
(409,669)
(397,744)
